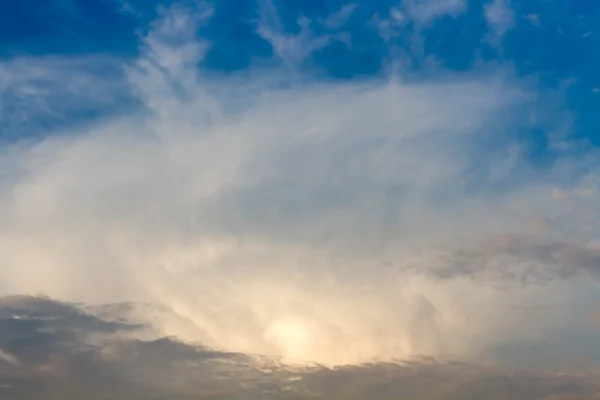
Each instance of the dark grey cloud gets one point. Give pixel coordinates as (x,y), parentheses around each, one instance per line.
(526,259)
(54,359)
(56,350)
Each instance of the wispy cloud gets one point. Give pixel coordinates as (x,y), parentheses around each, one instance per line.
(339,18)
(426,11)
(55,90)
(500,18)
(293,49)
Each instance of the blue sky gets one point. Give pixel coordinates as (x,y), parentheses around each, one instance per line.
(319,181)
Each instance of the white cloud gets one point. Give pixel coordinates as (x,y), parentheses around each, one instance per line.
(421,14)
(337,19)
(500,18)
(308,221)
(291,49)
(426,11)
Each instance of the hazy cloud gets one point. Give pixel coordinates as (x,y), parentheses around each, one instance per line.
(305,220)
(339,18)
(500,18)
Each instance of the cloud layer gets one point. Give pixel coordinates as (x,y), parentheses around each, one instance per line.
(58,350)
(310,220)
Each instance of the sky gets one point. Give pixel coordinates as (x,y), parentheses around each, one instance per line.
(268,199)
